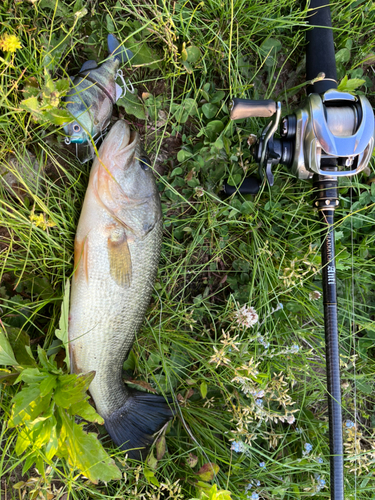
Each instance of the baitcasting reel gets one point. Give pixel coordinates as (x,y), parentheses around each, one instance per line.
(335,125)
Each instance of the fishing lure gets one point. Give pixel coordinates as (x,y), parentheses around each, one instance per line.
(92,97)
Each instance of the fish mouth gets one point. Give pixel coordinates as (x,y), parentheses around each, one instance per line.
(127,139)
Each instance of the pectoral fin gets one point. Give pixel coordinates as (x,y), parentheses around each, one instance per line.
(120,262)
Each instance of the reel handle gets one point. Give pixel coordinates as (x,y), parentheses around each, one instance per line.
(248,108)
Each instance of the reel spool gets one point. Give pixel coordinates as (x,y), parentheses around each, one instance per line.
(335,125)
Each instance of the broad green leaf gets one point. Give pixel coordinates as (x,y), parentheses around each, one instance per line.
(41,432)
(31,376)
(343,55)
(48,364)
(208,471)
(30,104)
(183,155)
(62,85)
(269,49)
(209,110)
(150,476)
(217,97)
(28,405)
(143,53)
(213,129)
(152,461)
(160,447)
(29,462)
(187,108)
(86,453)
(20,343)
(48,384)
(24,440)
(133,106)
(203,389)
(349,85)
(6,353)
(52,445)
(62,332)
(193,54)
(86,411)
(176,171)
(58,116)
(72,389)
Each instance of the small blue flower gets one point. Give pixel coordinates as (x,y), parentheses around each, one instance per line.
(322,482)
(254,496)
(259,402)
(349,424)
(294,349)
(238,446)
(320,460)
(262,465)
(308,447)
(257,483)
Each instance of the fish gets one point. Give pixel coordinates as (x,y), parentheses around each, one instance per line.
(91,99)
(116,254)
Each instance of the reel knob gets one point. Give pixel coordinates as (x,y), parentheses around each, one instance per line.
(248,108)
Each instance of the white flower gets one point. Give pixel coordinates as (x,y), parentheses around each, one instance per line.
(315,295)
(290,419)
(246,316)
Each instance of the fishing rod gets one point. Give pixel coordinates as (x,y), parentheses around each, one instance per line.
(330,136)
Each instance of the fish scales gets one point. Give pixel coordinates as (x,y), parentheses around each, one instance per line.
(108,310)
(117,251)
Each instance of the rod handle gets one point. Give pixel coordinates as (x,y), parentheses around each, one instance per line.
(248,108)
(320,50)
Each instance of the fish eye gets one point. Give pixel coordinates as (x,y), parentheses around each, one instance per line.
(145,162)
(76,128)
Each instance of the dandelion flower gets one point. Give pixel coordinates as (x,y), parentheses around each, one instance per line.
(246,316)
(9,43)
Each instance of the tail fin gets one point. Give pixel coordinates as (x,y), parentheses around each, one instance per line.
(133,425)
(119,52)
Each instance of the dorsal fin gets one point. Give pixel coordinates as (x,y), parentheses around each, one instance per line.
(87,65)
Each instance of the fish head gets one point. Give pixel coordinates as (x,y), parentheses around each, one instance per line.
(126,182)
(82,127)
(121,153)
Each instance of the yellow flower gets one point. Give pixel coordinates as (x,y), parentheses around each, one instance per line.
(41,221)
(9,43)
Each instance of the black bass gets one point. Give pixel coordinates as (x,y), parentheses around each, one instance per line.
(117,249)
(90,101)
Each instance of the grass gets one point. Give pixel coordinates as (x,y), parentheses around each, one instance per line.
(218,254)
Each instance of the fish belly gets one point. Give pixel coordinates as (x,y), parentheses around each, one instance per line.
(105,317)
